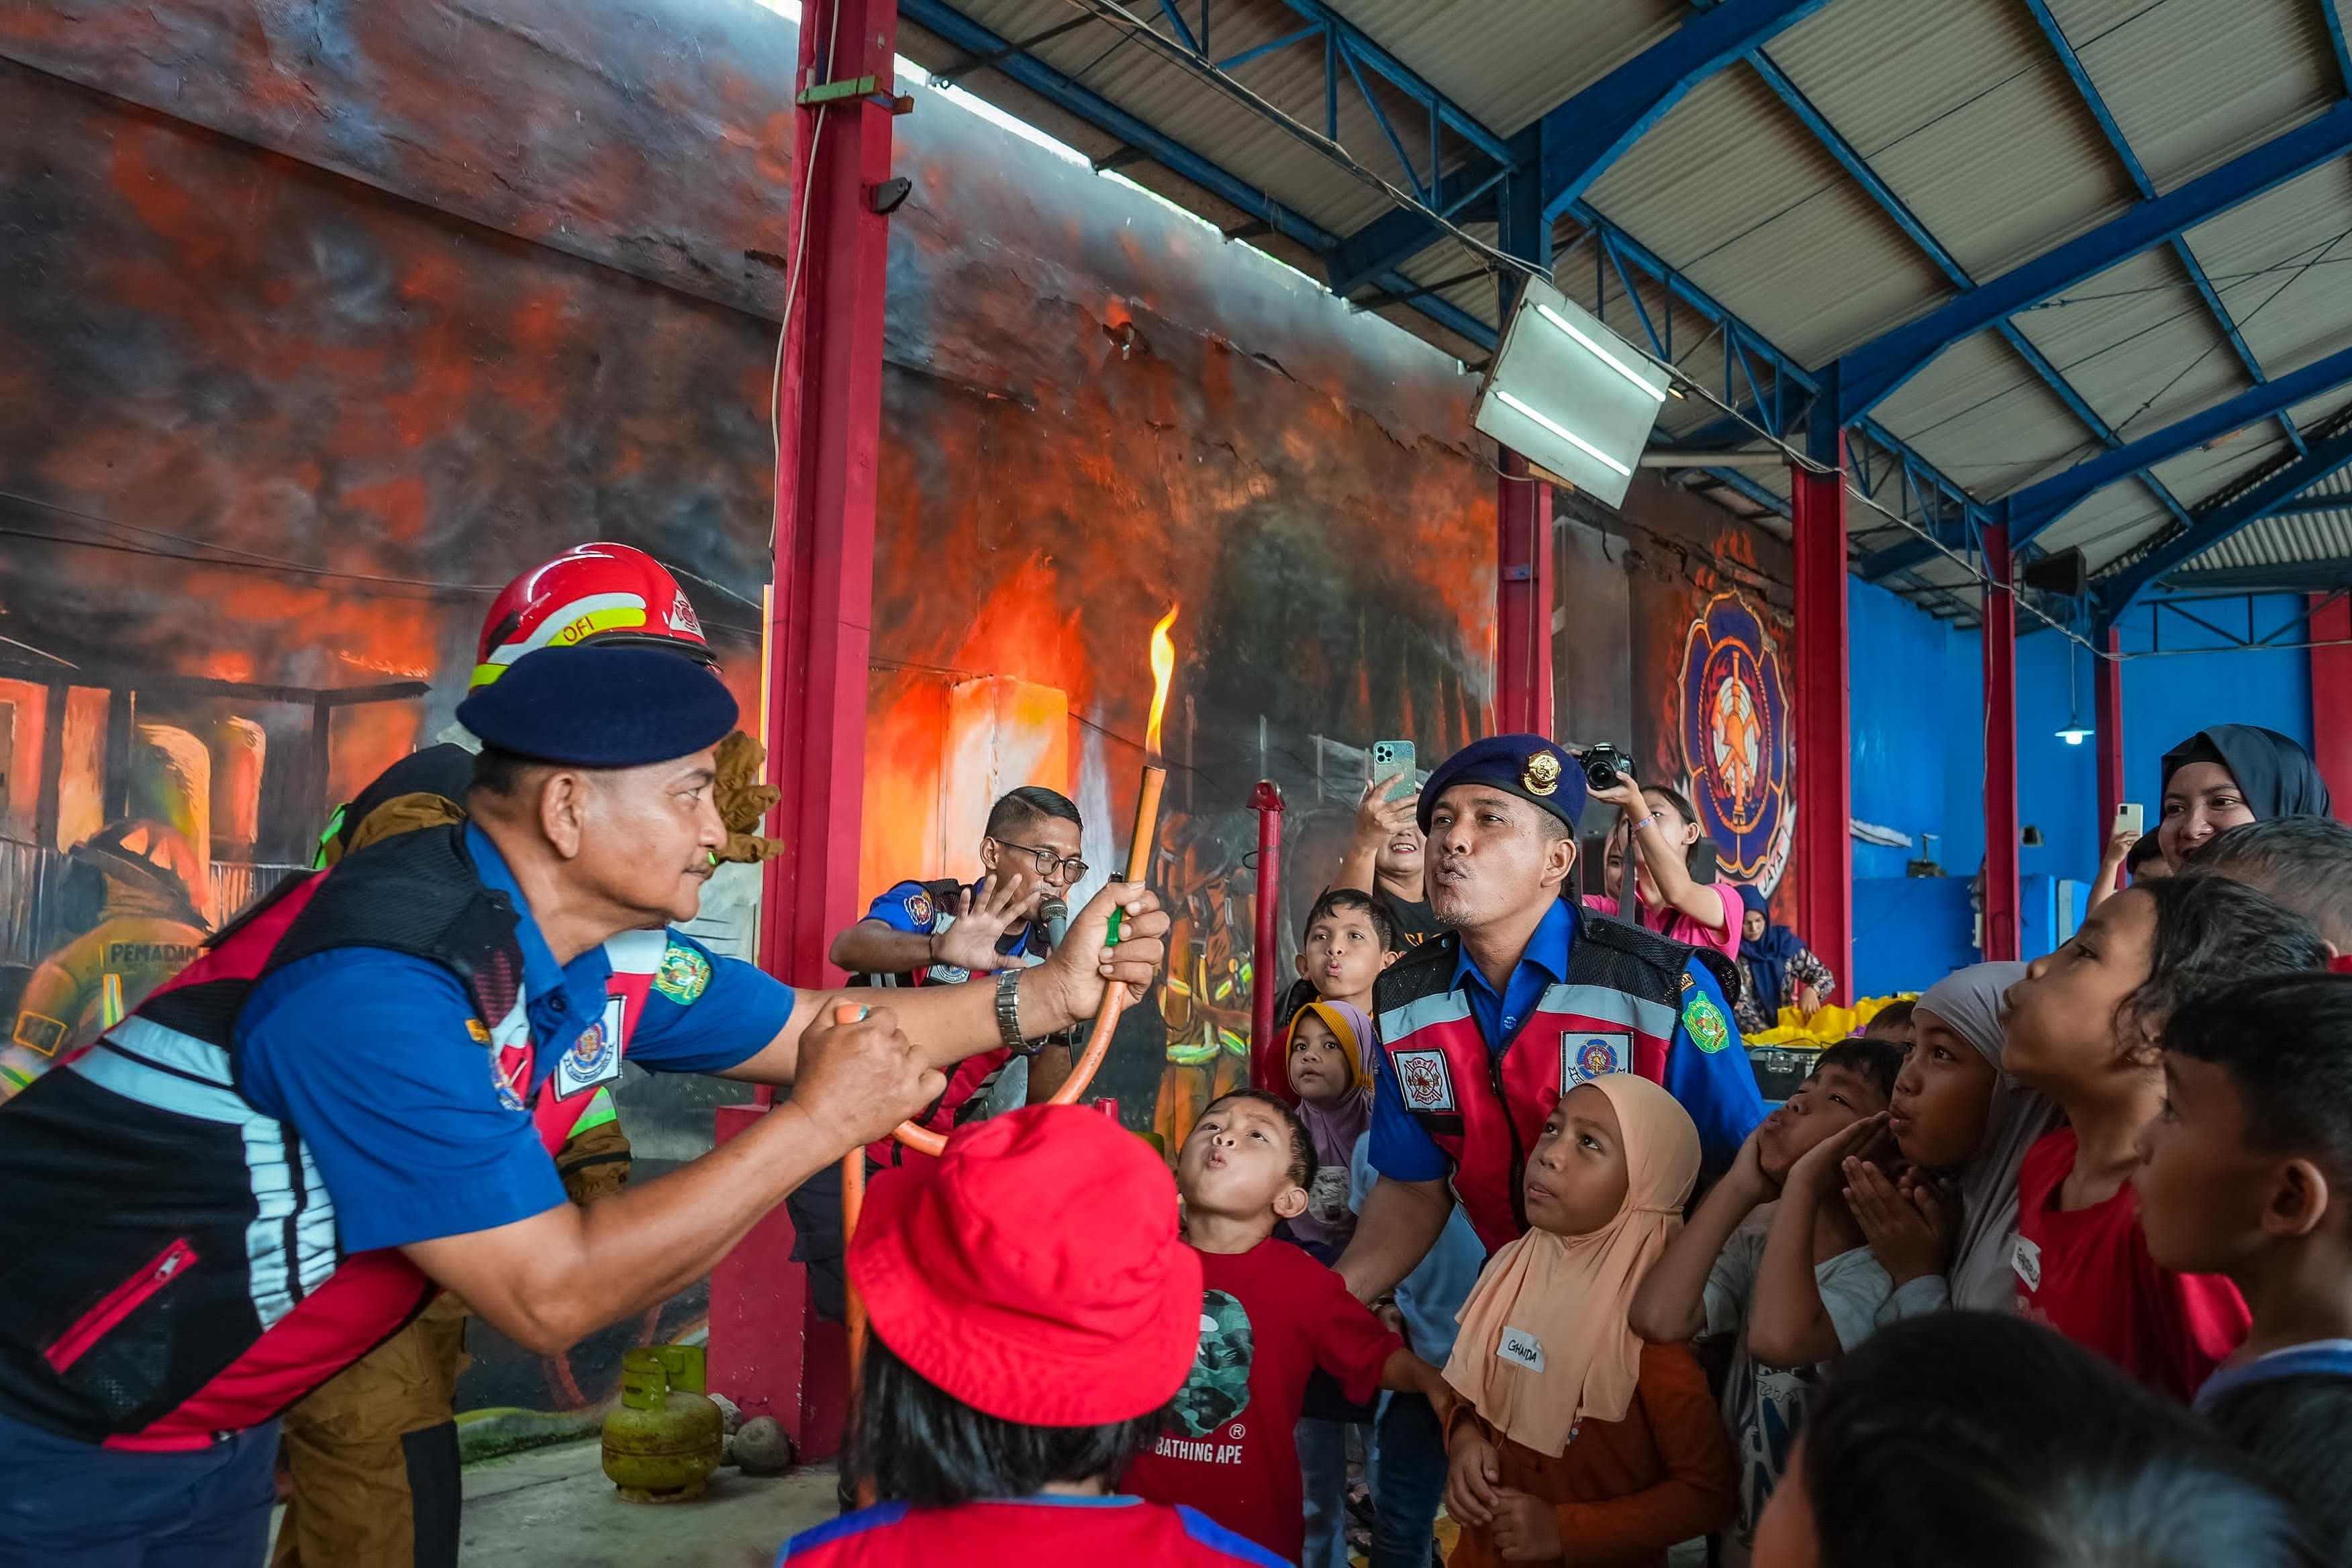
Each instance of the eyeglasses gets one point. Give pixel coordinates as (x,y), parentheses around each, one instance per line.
(1072,870)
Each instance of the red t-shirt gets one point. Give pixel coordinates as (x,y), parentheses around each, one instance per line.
(1269,1317)
(2087,1273)
(1052,1530)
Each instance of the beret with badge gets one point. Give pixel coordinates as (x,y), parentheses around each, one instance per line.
(1527,766)
(602,707)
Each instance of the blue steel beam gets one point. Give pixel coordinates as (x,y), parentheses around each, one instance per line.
(1869,374)
(1586,134)
(2096,102)
(2037,506)
(2313,506)
(1857,167)
(1582,136)
(2117,592)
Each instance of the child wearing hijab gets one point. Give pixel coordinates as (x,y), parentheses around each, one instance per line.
(1963,1126)
(1776,970)
(1572,1433)
(2231,774)
(2083,1027)
(1335,1102)
(1328,1075)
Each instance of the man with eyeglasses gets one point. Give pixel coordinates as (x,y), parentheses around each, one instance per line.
(943,932)
(940,934)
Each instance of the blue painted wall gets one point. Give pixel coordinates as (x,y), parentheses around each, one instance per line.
(1919,751)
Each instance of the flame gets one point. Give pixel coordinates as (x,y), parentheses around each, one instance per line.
(1164,668)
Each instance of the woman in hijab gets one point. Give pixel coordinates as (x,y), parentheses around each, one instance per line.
(1776,970)
(2231,774)
(1955,1115)
(1571,1428)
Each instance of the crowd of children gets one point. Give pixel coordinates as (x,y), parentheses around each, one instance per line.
(2053,1265)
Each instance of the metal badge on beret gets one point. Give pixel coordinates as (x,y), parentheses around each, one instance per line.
(1542,775)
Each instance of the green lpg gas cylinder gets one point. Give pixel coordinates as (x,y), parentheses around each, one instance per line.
(665,1437)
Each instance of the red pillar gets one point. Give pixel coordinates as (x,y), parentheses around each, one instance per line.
(1825,845)
(1523,600)
(2108,714)
(766,1351)
(2002,896)
(2331,696)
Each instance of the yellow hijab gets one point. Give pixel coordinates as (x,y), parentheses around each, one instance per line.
(1544,1340)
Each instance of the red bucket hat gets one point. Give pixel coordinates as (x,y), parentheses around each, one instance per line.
(1033,1270)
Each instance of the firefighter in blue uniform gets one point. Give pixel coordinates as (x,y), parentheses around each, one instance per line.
(1524,997)
(353,1100)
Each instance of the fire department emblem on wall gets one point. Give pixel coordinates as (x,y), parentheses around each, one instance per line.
(1734,739)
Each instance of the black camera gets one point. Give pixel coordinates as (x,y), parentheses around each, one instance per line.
(1603,766)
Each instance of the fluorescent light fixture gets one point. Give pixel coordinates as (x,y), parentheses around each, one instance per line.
(1569,396)
(1611,361)
(1565,434)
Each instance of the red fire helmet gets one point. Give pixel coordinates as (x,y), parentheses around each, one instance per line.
(598,593)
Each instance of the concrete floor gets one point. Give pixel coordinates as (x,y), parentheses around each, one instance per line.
(553,1508)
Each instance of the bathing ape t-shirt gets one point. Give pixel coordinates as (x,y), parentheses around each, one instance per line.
(1269,1317)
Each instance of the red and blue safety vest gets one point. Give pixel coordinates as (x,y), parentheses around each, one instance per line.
(185,1280)
(1615,1012)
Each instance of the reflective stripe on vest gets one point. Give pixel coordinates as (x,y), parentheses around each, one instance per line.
(1485,1111)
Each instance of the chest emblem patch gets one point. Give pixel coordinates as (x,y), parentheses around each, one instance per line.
(594,1057)
(1585,1055)
(1423,1080)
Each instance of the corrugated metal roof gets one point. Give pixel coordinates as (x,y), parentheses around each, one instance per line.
(2193,83)
(1962,107)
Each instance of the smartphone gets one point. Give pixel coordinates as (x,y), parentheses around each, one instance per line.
(2128,819)
(1395,757)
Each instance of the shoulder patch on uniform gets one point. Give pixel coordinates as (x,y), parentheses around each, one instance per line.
(918,908)
(479,1030)
(1706,1023)
(684,974)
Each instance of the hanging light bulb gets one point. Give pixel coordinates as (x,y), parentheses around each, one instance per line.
(2074,731)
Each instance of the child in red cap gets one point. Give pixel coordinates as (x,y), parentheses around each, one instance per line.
(1033,1312)
(1271,1315)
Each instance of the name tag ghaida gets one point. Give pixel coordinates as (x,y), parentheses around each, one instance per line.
(1521,1348)
(2027,1262)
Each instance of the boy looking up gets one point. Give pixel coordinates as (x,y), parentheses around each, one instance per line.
(2247,1170)
(1270,1315)
(1714,1278)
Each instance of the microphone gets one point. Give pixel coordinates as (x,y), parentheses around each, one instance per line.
(1056,916)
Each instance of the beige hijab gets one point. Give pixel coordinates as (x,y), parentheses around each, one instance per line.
(1544,1340)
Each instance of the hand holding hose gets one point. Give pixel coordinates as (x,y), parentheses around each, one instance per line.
(1070,985)
(860,1078)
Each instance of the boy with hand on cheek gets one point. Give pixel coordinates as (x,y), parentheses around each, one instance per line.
(1270,1315)
(1718,1276)
(2247,1171)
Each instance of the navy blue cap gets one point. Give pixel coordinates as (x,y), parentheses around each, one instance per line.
(602,707)
(1527,766)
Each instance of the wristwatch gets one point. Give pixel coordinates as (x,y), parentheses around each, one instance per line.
(1008,1015)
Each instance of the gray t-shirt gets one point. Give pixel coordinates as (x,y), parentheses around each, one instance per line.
(1763,1405)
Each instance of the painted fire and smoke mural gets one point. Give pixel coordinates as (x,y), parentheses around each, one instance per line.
(317,322)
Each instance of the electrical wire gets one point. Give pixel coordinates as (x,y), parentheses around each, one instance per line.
(792,285)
